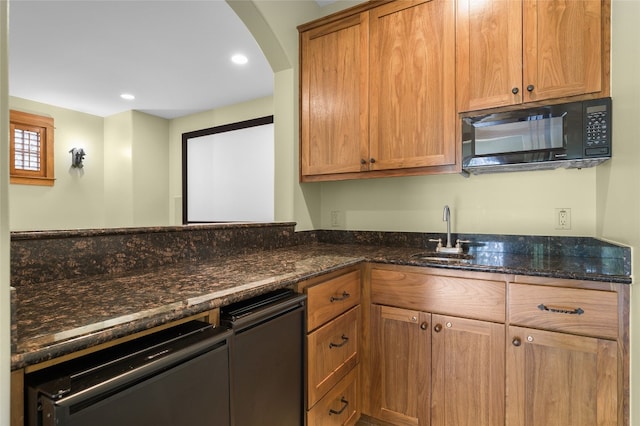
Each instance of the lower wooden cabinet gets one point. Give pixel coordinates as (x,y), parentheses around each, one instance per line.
(339,406)
(561,379)
(447,347)
(436,369)
(400,369)
(467,372)
(334,327)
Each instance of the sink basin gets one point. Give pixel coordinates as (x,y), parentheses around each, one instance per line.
(443,257)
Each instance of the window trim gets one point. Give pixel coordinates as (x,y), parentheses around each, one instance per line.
(46,175)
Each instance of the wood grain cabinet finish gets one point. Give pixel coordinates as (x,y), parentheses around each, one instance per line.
(471,348)
(339,406)
(433,369)
(334,97)
(332,298)
(561,379)
(377,91)
(571,310)
(332,353)
(444,294)
(400,369)
(520,51)
(334,327)
(412,91)
(564,358)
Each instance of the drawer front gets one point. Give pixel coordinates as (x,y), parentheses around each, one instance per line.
(571,310)
(329,299)
(332,351)
(339,406)
(462,297)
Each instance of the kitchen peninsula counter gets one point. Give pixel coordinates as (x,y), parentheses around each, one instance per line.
(61,316)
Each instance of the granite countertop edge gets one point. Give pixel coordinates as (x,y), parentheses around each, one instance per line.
(234,280)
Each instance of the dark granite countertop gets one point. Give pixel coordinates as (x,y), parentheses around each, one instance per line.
(63,316)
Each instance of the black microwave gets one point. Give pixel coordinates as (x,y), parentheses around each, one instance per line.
(570,135)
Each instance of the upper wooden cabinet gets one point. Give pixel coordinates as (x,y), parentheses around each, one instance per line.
(377,91)
(518,51)
(334,97)
(412,90)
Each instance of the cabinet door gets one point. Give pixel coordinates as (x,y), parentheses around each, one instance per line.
(467,372)
(562,48)
(412,73)
(334,97)
(401,356)
(489,54)
(560,379)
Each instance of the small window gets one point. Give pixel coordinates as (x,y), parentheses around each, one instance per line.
(31,149)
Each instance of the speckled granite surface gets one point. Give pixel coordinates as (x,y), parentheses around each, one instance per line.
(64,312)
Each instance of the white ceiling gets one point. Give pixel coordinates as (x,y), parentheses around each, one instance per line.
(173,55)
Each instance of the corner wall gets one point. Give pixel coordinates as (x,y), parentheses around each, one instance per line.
(618,195)
(5,322)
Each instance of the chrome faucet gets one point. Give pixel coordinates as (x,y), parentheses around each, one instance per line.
(448,248)
(446,217)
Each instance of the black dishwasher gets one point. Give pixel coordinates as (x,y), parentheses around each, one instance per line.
(266,361)
(176,377)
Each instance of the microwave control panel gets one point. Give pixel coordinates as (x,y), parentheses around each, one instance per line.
(597,128)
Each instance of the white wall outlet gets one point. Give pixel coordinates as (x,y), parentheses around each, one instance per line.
(337,219)
(563,218)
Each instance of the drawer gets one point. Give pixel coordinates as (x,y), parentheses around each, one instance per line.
(329,299)
(332,351)
(462,297)
(339,406)
(571,310)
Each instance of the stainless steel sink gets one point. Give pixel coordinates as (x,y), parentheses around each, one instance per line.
(443,257)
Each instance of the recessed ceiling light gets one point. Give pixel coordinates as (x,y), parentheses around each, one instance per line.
(127,96)
(239,59)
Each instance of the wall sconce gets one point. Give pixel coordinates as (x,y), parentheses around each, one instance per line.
(77,156)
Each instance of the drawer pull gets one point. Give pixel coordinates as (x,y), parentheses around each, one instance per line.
(516,341)
(345,339)
(344,296)
(344,407)
(577,311)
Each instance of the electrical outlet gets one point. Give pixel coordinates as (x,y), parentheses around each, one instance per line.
(563,218)
(335,219)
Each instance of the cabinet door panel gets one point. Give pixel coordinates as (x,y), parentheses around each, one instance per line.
(489,53)
(467,372)
(412,72)
(560,379)
(562,48)
(401,352)
(334,97)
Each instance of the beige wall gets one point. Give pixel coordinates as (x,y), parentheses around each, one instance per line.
(618,195)
(76,199)
(124,181)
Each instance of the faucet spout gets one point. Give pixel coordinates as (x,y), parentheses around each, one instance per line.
(446,217)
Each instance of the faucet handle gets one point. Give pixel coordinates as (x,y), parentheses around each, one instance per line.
(439,241)
(459,242)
